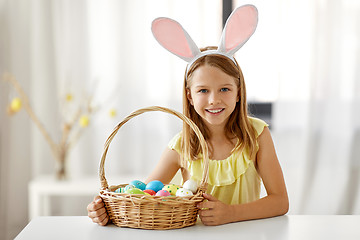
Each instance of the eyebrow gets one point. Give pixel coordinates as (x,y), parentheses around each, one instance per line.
(200,86)
(227,84)
(205,86)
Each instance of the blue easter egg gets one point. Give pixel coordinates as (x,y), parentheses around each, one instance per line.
(138,184)
(129,187)
(155,185)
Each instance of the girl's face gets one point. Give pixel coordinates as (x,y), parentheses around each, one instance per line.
(213,94)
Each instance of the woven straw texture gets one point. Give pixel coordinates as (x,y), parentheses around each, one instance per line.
(152,212)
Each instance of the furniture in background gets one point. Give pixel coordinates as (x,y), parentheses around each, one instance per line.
(44,188)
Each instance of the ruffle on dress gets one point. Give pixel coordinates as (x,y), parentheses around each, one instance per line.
(221,172)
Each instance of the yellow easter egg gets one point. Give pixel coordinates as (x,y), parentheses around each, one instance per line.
(84,121)
(171,188)
(16,104)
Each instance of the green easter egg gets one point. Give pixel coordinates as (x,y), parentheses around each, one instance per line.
(134,191)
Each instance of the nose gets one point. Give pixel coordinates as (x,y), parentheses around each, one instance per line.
(214,98)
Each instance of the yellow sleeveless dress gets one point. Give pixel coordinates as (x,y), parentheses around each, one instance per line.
(233,180)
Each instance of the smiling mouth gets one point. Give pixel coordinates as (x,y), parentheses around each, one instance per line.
(215,111)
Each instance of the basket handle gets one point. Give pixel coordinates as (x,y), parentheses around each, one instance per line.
(194,127)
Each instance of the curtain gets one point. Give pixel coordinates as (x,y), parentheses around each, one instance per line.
(316,117)
(106,50)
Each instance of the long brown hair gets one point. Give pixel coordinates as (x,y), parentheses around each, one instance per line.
(238,124)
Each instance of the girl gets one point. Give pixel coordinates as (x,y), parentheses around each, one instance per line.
(240,147)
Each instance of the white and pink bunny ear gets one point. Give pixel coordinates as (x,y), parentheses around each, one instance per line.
(239,27)
(173,37)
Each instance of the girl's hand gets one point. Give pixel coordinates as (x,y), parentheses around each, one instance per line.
(214,212)
(97,212)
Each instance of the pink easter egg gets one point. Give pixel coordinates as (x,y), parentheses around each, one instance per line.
(163,193)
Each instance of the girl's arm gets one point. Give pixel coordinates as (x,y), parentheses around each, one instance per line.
(166,167)
(164,172)
(274,204)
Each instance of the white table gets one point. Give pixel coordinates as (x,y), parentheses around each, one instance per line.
(42,188)
(287,227)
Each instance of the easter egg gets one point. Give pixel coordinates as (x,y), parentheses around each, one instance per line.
(134,191)
(129,187)
(138,184)
(171,188)
(163,193)
(155,185)
(182,192)
(120,190)
(150,192)
(191,185)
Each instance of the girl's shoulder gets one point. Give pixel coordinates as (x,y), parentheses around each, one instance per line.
(175,142)
(258,124)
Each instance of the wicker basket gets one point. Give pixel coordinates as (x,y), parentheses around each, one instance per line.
(152,212)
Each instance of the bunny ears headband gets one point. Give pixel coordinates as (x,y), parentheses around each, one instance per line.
(239,27)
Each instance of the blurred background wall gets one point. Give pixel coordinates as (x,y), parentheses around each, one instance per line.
(303,60)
